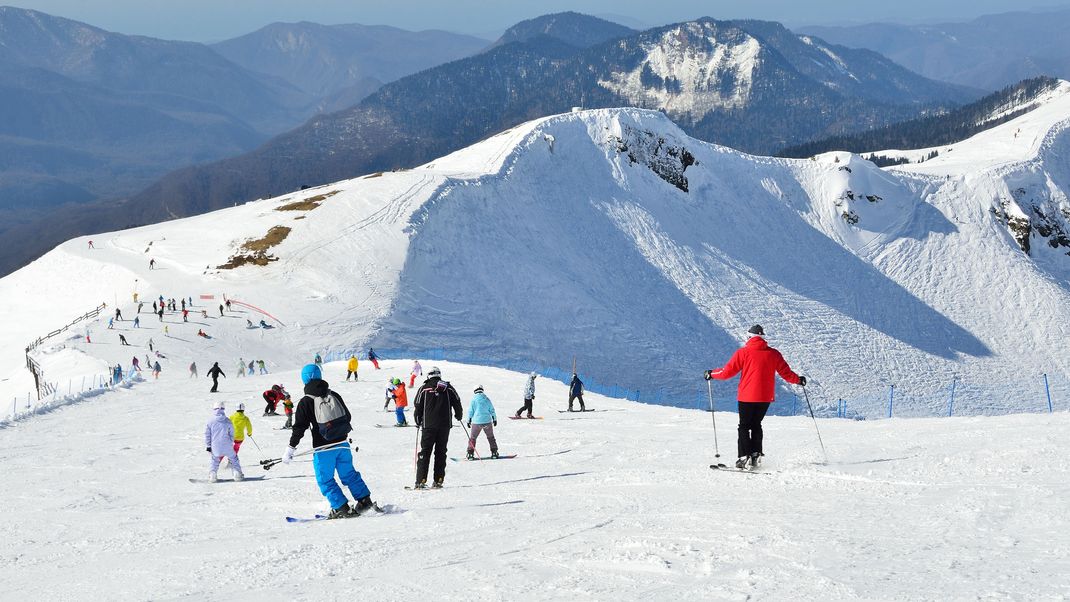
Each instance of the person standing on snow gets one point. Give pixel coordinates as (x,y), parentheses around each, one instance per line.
(272,397)
(481,419)
(432,412)
(193,370)
(288,407)
(263,367)
(325,413)
(122,340)
(136,366)
(241,367)
(252,370)
(156,370)
(214,373)
(152,264)
(118,314)
(318,360)
(374,359)
(242,426)
(220,310)
(351,368)
(417,371)
(219,439)
(758,363)
(401,401)
(575,392)
(529,396)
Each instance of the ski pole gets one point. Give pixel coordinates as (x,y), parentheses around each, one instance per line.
(257,445)
(812,417)
(416,451)
(713,414)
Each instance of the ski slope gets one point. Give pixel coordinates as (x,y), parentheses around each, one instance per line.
(606,505)
(611,236)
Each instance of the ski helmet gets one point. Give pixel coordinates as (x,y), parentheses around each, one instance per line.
(310,372)
(757,330)
(241,407)
(533,374)
(218,405)
(434,372)
(396,381)
(479,389)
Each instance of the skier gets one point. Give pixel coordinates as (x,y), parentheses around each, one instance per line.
(150,344)
(220,310)
(263,368)
(271,398)
(288,407)
(241,367)
(529,396)
(159,313)
(139,306)
(111,323)
(183,305)
(122,340)
(417,371)
(137,322)
(390,388)
(351,368)
(575,392)
(431,411)
(156,370)
(118,314)
(252,370)
(185,315)
(219,439)
(228,304)
(373,358)
(242,426)
(152,264)
(91,245)
(481,419)
(318,361)
(249,323)
(401,401)
(759,363)
(136,367)
(193,370)
(117,374)
(214,373)
(153,307)
(326,414)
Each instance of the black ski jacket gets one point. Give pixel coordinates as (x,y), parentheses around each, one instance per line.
(215,372)
(305,415)
(436,398)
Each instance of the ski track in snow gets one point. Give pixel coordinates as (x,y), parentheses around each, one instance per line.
(621,506)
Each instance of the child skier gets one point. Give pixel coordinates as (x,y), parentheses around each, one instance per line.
(242,426)
(351,368)
(481,419)
(325,413)
(219,439)
(529,396)
(390,388)
(401,401)
(288,407)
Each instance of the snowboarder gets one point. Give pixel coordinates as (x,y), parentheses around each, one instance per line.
(122,340)
(242,426)
(351,368)
(759,363)
(326,414)
(228,304)
(214,373)
(481,419)
(118,314)
(373,358)
(156,370)
(264,324)
(140,305)
(203,334)
(219,439)
(575,392)
(135,366)
(401,401)
(241,367)
(529,396)
(417,371)
(152,264)
(263,367)
(220,310)
(193,370)
(432,412)
(249,323)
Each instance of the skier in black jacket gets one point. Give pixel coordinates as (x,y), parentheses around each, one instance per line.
(431,411)
(330,435)
(214,373)
(575,392)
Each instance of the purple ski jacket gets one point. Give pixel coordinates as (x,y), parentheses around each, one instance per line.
(219,434)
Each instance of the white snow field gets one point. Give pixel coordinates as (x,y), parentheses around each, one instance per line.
(611,236)
(609,505)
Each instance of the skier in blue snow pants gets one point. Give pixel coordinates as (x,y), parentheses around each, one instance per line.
(325,413)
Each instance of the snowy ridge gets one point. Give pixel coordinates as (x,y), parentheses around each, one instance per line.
(612,236)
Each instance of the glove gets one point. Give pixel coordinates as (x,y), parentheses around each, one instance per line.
(802,380)
(288,456)
(208,449)
(459,418)
(469,424)
(708,374)
(495,422)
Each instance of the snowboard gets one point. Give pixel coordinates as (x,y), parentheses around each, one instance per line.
(579,411)
(725,468)
(387,509)
(393,426)
(525,418)
(226,480)
(508,457)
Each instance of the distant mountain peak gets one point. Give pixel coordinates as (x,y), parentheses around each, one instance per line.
(575,29)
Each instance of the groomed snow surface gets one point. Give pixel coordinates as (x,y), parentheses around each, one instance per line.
(610,505)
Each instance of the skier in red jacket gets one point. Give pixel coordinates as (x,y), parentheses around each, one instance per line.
(758,362)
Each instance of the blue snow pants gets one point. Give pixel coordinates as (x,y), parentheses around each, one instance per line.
(400,413)
(325,463)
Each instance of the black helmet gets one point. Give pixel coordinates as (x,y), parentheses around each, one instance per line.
(757,330)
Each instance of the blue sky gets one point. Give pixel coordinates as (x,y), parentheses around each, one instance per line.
(211,20)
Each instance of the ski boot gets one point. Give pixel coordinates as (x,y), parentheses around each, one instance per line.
(471,455)
(570,408)
(343,511)
(755,460)
(364,504)
(420,485)
(238,476)
(494,455)
(212,478)
(437,484)
(741,463)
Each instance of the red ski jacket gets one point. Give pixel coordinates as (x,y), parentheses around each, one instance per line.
(758,362)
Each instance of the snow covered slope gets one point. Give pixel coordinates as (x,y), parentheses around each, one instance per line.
(612,236)
(608,505)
